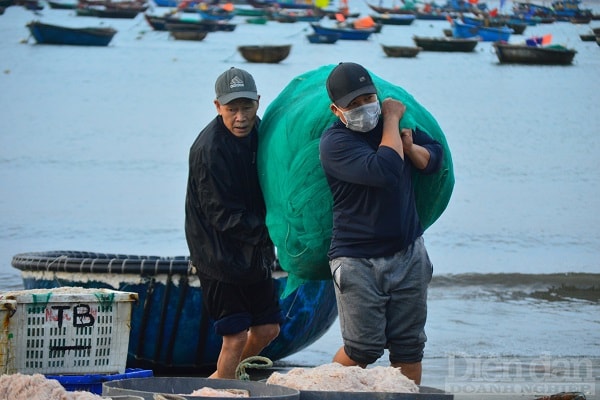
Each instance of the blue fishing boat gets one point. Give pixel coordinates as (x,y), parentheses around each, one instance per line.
(566,10)
(345,33)
(170,331)
(323,38)
(486,33)
(299,4)
(517,26)
(464,6)
(434,15)
(530,11)
(216,14)
(394,19)
(560,10)
(55,34)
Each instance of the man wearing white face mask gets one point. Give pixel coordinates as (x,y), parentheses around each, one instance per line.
(378,258)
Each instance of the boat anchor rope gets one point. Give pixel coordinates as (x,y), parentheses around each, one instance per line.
(240,371)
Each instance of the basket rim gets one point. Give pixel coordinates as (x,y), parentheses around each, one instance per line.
(91,262)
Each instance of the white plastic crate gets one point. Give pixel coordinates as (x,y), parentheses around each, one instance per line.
(7,354)
(70,330)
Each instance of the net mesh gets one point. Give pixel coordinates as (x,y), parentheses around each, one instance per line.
(298,200)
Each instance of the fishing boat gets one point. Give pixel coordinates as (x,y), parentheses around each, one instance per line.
(517,26)
(62,5)
(56,34)
(159,23)
(290,15)
(400,51)
(281,4)
(248,11)
(539,55)
(105,12)
(170,3)
(446,44)
(392,10)
(257,20)
(216,14)
(170,331)
(529,11)
(394,19)
(464,6)
(344,33)
(186,31)
(570,10)
(323,38)
(486,33)
(587,37)
(270,54)
(434,15)
(32,5)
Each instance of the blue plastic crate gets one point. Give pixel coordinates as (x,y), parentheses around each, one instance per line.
(93,383)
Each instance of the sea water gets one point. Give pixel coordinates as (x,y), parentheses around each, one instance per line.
(93,157)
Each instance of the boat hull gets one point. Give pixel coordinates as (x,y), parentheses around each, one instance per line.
(523,54)
(170,331)
(487,34)
(265,54)
(187,31)
(394,19)
(445,44)
(323,38)
(54,34)
(59,5)
(344,33)
(401,51)
(159,23)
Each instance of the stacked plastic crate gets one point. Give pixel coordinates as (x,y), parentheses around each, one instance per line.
(78,336)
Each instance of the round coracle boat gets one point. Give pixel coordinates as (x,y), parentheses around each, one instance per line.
(170,331)
(271,54)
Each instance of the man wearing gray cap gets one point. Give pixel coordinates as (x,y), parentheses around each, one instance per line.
(378,259)
(230,248)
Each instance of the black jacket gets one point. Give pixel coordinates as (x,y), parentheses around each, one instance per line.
(225,210)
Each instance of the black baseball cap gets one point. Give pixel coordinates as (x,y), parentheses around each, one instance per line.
(347,81)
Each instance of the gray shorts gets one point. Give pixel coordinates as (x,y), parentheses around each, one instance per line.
(382,303)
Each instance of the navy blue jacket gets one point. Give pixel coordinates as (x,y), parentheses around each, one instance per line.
(374,212)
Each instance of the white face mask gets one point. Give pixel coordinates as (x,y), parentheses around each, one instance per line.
(363,118)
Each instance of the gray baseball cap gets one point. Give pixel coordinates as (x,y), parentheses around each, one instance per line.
(233,84)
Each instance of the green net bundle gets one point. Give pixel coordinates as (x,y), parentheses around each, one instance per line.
(298,200)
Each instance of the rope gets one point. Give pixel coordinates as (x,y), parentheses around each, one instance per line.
(231,56)
(240,371)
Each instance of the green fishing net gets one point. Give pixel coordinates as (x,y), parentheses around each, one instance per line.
(298,200)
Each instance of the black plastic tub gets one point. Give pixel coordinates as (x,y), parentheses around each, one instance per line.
(148,387)
(425,393)
(182,386)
